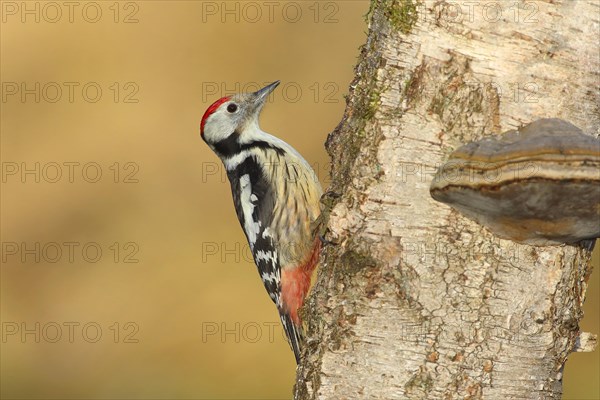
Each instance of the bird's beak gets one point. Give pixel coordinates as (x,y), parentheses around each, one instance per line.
(261,96)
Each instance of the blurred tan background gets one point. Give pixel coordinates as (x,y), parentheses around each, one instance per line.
(125,273)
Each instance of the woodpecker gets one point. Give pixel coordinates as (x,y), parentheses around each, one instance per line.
(276,195)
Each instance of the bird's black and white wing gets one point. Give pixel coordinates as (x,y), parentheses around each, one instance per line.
(254,202)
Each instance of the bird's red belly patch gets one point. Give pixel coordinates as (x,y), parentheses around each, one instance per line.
(295,283)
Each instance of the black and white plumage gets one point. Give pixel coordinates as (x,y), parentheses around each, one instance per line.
(248,185)
(276,197)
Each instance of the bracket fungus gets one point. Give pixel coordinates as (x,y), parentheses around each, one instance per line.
(538,185)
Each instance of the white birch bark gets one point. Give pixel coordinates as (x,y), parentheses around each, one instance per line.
(414,300)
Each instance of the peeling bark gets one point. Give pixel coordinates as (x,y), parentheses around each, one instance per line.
(413,300)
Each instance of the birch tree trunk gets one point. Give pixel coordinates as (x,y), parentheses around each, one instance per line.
(413,300)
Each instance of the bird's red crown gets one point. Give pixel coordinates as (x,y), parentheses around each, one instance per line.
(211,109)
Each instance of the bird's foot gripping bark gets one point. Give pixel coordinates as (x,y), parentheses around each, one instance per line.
(319,226)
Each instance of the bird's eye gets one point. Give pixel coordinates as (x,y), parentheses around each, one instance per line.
(232,108)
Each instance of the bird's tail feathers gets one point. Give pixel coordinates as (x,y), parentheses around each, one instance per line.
(294,334)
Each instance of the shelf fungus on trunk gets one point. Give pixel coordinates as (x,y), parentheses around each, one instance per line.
(538,185)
